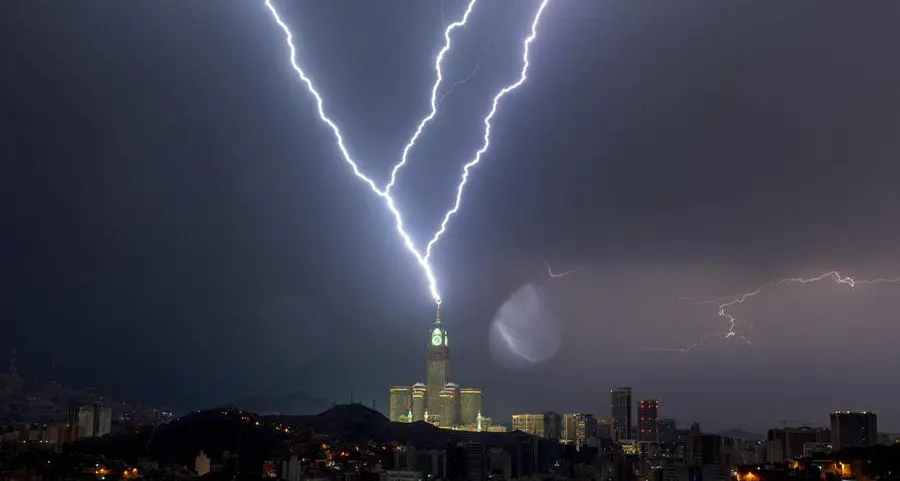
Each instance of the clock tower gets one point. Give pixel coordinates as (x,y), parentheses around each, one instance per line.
(438,363)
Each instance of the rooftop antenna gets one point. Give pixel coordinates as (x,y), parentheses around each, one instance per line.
(351,395)
(437,315)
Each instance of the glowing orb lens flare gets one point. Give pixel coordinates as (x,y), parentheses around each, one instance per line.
(389,201)
(486,140)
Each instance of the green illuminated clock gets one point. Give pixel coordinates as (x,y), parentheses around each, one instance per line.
(436,338)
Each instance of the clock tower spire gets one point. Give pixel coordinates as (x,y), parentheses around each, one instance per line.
(438,363)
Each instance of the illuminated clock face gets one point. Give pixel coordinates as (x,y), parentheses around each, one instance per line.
(436,339)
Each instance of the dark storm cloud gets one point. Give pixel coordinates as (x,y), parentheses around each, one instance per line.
(167,187)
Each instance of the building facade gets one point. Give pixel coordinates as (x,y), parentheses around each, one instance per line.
(470,406)
(400,404)
(544,425)
(578,427)
(648,421)
(449,410)
(853,429)
(418,393)
(438,365)
(620,412)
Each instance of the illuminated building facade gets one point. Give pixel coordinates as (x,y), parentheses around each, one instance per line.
(438,365)
(439,401)
(545,425)
(577,428)
(620,412)
(449,410)
(470,406)
(648,420)
(400,403)
(418,402)
(853,429)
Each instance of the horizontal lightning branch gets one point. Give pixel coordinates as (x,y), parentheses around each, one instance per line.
(833,276)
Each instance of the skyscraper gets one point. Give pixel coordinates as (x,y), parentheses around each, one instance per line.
(438,364)
(401,403)
(648,420)
(534,424)
(578,427)
(418,402)
(449,412)
(620,412)
(470,406)
(849,429)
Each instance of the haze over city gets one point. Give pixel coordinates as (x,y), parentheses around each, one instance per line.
(178,226)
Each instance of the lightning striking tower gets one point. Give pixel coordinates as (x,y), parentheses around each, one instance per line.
(408,243)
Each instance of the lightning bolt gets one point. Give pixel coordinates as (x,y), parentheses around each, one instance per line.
(486,139)
(480,61)
(834,276)
(555,275)
(384,194)
(434,93)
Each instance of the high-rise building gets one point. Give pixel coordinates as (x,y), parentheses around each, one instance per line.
(578,427)
(470,406)
(787,443)
(648,420)
(84,424)
(604,428)
(449,411)
(438,364)
(853,429)
(668,431)
(418,402)
(545,425)
(89,421)
(102,421)
(620,412)
(703,449)
(400,404)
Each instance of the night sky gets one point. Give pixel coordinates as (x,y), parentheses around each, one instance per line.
(176,225)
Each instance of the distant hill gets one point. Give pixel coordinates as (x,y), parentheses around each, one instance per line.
(360,423)
(741,434)
(254,439)
(212,432)
(294,403)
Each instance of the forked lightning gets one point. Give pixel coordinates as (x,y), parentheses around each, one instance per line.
(385,193)
(486,139)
